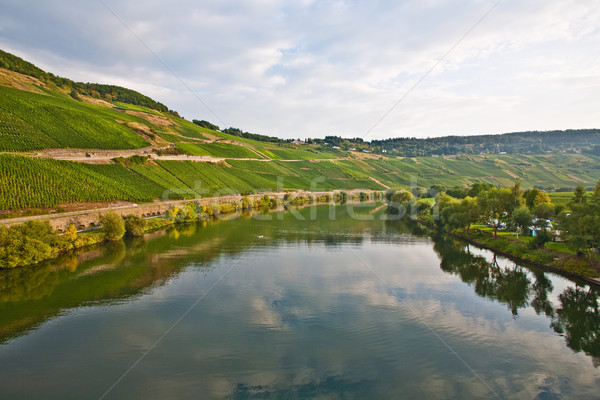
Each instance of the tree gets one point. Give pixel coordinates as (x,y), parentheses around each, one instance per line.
(581,228)
(496,205)
(436,189)
(418,192)
(541,198)
(543,212)
(113,226)
(134,226)
(580,195)
(399,201)
(478,188)
(71,233)
(516,195)
(530,196)
(521,218)
(26,244)
(457,192)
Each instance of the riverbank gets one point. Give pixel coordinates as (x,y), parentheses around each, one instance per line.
(522,252)
(35,240)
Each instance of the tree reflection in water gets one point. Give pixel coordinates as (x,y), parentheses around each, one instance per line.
(576,317)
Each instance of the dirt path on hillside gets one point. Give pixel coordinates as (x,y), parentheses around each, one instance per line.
(379,182)
(95,156)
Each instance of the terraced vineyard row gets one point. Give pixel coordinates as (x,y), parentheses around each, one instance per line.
(218,150)
(40,183)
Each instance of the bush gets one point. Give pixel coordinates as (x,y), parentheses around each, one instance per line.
(26,244)
(113,226)
(134,226)
(541,238)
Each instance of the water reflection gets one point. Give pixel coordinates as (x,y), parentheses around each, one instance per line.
(576,315)
(126,270)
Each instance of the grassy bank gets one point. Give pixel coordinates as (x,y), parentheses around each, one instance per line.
(554,256)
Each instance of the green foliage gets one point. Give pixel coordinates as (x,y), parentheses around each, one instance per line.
(512,143)
(581,227)
(543,212)
(113,226)
(543,236)
(579,196)
(205,124)
(134,226)
(70,234)
(26,244)
(521,218)
(400,202)
(457,193)
(253,136)
(495,205)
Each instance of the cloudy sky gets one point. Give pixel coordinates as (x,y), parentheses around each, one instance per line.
(310,68)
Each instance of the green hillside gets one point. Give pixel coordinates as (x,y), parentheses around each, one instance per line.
(34,121)
(40,111)
(44,183)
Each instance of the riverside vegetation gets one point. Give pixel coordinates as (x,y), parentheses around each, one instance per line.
(35,241)
(493,216)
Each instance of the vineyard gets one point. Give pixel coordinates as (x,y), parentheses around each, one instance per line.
(31,121)
(217,150)
(41,183)
(44,183)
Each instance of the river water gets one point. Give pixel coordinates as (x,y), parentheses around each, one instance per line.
(325,303)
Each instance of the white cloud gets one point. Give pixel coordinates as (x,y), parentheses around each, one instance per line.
(312,68)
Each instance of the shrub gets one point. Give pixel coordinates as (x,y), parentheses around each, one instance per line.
(134,226)
(113,226)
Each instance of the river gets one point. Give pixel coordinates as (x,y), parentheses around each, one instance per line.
(324,302)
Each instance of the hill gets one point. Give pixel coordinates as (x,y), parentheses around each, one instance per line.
(71,142)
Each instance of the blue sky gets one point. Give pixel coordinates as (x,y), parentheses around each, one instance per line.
(310,68)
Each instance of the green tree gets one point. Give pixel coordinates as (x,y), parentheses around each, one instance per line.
(113,226)
(399,201)
(496,206)
(580,195)
(530,196)
(478,188)
(436,189)
(134,226)
(26,244)
(517,199)
(521,218)
(543,212)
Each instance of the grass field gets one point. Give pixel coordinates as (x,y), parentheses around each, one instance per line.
(560,197)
